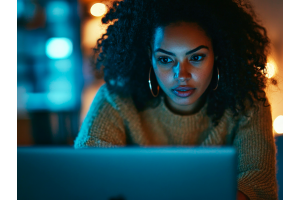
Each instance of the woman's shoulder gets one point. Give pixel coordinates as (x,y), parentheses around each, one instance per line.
(118,102)
(257,105)
(104,95)
(103,124)
(255,110)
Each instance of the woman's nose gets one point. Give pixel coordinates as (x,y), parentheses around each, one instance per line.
(182,72)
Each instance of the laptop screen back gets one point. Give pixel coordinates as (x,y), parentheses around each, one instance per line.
(127,173)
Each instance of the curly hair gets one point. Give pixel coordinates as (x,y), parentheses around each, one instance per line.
(239,41)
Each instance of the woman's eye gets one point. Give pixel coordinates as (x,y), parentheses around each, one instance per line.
(198,58)
(164,60)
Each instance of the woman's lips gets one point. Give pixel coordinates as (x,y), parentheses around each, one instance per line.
(186,93)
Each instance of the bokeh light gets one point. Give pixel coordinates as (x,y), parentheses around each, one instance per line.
(98,9)
(270,68)
(61,66)
(278,124)
(20,8)
(57,11)
(58,48)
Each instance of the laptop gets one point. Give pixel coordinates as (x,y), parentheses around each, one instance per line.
(127,173)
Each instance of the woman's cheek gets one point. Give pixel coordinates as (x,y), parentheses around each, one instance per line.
(164,80)
(163,77)
(208,77)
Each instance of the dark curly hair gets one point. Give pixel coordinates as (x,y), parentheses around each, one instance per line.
(238,40)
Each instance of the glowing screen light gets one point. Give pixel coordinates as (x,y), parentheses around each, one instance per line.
(98,9)
(20,8)
(59,98)
(278,124)
(60,84)
(57,11)
(60,94)
(63,65)
(58,48)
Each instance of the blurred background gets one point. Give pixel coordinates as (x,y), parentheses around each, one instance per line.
(56,82)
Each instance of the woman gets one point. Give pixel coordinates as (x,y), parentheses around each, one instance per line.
(186,72)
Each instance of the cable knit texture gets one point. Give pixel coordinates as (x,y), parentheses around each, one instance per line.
(113,121)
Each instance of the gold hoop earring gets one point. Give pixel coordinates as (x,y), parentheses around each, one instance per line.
(151,85)
(218,79)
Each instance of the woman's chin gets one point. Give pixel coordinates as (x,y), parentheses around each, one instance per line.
(183,101)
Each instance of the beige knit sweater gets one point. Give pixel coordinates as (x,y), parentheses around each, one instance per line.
(114,121)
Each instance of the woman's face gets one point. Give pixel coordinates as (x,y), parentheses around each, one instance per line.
(182,56)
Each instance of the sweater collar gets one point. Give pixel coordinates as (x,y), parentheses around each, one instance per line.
(189,122)
(166,108)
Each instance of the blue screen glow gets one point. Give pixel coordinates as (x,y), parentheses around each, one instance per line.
(58,48)
(61,66)
(20,8)
(58,100)
(57,11)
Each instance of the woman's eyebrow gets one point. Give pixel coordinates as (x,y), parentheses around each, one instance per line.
(172,54)
(196,49)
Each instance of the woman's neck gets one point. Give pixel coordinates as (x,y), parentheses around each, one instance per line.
(186,109)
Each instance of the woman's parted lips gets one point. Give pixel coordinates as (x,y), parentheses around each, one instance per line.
(184,87)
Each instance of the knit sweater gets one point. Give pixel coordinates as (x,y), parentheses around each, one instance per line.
(114,121)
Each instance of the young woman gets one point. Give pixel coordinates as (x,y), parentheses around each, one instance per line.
(186,72)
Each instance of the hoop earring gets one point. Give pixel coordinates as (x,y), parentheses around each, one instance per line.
(151,85)
(218,79)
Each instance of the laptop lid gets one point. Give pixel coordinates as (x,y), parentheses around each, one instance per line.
(127,173)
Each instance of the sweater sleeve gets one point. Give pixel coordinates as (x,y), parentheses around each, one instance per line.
(103,126)
(255,145)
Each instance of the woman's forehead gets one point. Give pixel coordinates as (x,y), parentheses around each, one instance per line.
(180,35)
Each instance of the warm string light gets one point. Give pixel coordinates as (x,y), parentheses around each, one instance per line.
(278,124)
(98,9)
(269,71)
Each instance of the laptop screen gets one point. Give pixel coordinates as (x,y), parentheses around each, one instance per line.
(127,173)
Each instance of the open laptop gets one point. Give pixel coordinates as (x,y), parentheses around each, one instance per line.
(127,173)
